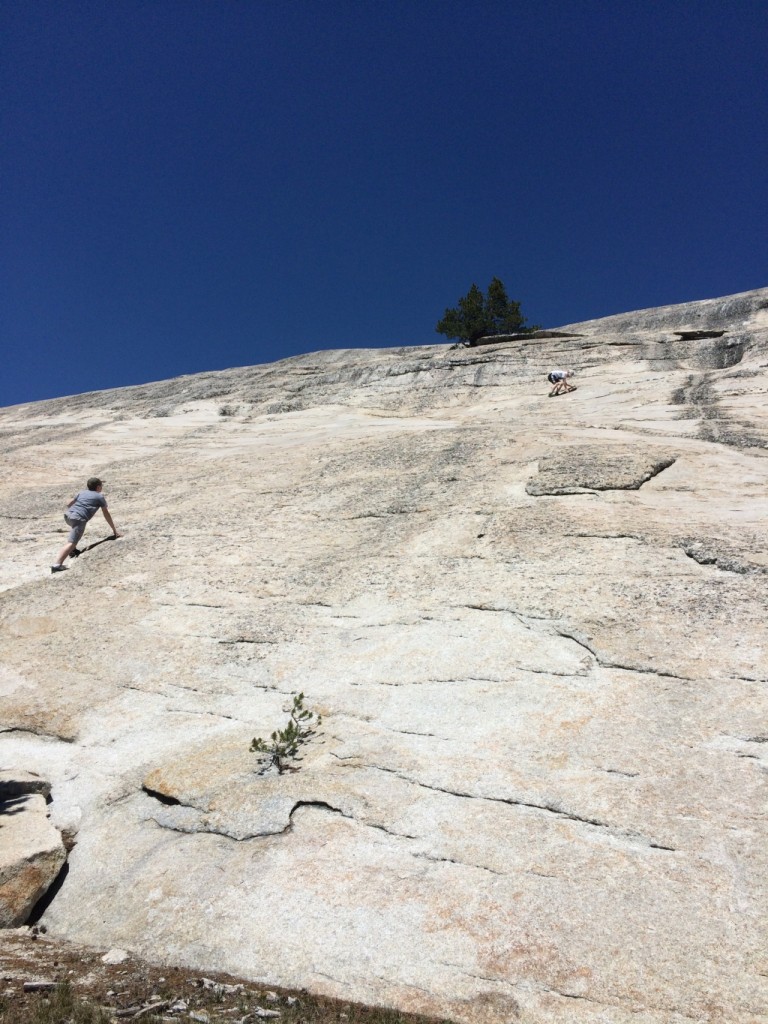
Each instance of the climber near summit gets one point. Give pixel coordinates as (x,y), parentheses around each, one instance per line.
(560,380)
(80,510)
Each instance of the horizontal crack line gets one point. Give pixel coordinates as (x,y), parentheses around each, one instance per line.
(435,859)
(530,805)
(40,733)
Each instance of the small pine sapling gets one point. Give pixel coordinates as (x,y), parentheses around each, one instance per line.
(283,745)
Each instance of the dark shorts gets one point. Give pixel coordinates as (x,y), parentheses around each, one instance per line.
(77,528)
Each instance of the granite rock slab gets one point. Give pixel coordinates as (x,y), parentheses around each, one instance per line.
(535,632)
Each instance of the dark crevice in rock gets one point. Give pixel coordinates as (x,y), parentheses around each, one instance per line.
(324,806)
(696,335)
(163,798)
(17,786)
(49,895)
(582,643)
(504,339)
(320,805)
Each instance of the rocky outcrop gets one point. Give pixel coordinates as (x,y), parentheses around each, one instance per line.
(535,631)
(32,852)
(573,470)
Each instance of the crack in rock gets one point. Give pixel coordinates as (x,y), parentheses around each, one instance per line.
(459,863)
(196,823)
(705,553)
(580,643)
(40,733)
(165,799)
(547,808)
(604,663)
(325,806)
(211,714)
(577,639)
(246,640)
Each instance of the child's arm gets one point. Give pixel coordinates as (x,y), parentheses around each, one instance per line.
(108,517)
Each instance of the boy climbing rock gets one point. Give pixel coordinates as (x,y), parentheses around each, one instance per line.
(560,380)
(80,510)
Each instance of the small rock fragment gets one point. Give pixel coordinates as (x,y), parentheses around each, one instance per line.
(114,956)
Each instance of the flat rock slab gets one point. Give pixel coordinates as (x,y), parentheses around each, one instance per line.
(574,469)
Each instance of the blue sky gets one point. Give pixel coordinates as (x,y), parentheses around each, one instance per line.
(189,185)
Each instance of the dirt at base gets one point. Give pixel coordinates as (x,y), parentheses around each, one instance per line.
(137,990)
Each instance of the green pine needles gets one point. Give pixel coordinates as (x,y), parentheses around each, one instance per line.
(284,744)
(479,316)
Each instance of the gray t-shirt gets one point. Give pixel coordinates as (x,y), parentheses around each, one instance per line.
(86,505)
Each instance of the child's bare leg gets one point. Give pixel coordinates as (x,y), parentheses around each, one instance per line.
(65,552)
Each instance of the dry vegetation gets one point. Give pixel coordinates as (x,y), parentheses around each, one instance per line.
(82,989)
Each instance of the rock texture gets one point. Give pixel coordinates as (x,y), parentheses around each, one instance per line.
(31,850)
(535,629)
